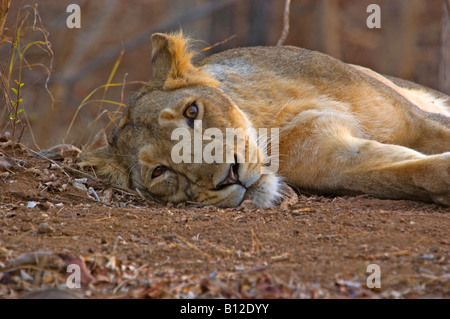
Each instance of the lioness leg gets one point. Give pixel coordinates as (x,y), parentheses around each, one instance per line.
(340,163)
(390,171)
(426,134)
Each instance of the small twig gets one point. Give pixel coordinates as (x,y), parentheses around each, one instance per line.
(191,245)
(222,250)
(250,270)
(256,244)
(218,43)
(285,31)
(21,133)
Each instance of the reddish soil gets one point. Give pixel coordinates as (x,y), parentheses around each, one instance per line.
(309,247)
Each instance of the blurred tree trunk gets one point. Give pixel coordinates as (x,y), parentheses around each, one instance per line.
(4,6)
(444,68)
(401,40)
(222,25)
(260,22)
(327,28)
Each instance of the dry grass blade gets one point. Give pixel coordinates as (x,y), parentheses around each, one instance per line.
(256,243)
(4,6)
(13,66)
(87,101)
(191,245)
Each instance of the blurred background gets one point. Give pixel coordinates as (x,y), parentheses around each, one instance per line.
(76,81)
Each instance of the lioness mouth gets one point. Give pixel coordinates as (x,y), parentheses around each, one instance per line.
(232,178)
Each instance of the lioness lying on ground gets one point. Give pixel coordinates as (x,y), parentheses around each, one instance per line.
(343,129)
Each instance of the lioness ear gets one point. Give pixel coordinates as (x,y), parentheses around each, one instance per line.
(103,160)
(171,63)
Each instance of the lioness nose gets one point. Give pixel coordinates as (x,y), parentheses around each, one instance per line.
(232,177)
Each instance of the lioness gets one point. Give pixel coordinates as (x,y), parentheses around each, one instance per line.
(343,129)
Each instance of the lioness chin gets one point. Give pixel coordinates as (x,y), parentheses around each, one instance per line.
(343,129)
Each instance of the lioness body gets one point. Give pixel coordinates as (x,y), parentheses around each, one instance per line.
(343,129)
(328,113)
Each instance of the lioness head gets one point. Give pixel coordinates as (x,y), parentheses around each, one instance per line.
(142,148)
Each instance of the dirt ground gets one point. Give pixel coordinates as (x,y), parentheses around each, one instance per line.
(52,215)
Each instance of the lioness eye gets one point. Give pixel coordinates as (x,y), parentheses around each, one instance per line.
(158,171)
(191,111)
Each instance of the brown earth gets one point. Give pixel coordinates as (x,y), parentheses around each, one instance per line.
(126,247)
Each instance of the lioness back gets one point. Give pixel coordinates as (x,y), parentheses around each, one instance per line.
(263,77)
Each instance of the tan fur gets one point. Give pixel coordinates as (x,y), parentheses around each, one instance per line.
(180,72)
(344,129)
